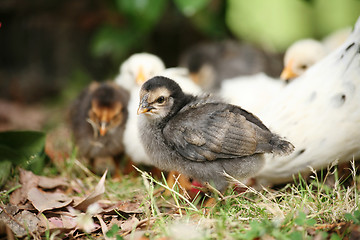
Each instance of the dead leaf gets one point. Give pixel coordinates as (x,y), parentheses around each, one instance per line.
(139,235)
(63,223)
(43,201)
(115,221)
(104,228)
(128,207)
(22,223)
(50,183)
(129,224)
(28,180)
(94,196)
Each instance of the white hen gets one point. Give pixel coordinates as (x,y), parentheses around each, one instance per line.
(319,113)
(137,69)
(252,92)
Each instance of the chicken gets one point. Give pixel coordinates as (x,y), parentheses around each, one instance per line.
(306,52)
(97,120)
(319,113)
(133,73)
(202,136)
(210,63)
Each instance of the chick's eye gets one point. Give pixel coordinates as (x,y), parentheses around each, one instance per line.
(160,99)
(303,67)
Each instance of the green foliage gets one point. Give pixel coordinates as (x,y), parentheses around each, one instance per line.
(138,18)
(355,217)
(117,40)
(301,220)
(21,148)
(142,14)
(112,233)
(279,230)
(275,24)
(190,7)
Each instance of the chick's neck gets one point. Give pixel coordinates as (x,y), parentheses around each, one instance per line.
(178,105)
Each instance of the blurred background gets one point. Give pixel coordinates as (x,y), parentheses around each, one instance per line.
(50,49)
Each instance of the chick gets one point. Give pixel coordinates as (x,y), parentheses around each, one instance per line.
(97,120)
(304,53)
(202,136)
(137,69)
(300,56)
(210,63)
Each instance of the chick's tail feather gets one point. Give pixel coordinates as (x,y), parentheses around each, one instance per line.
(281,146)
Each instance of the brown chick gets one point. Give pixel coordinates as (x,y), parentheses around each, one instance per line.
(97,119)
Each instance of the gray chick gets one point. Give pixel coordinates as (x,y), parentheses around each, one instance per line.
(97,120)
(211,63)
(202,136)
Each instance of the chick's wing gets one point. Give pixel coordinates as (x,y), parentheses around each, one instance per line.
(212,131)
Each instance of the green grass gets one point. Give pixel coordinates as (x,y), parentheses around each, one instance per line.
(325,206)
(300,210)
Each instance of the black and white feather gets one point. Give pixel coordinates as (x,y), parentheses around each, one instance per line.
(319,113)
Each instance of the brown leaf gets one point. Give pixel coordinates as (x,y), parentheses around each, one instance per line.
(43,201)
(28,180)
(139,235)
(129,207)
(63,223)
(129,224)
(104,228)
(22,223)
(94,196)
(50,183)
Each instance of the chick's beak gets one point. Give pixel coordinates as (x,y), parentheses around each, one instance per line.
(140,78)
(288,73)
(103,128)
(144,107)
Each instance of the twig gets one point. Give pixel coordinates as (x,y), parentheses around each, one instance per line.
(330,226)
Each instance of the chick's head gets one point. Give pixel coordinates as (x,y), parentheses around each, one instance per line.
(159,98)
(106,110)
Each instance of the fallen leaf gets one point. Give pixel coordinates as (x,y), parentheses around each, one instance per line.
(50,183)
(63,223)
(68,222)
(43,201)
(94,196)
(129,224)
(22,223)
(104,228)
(128,207)
(28,181)
(139,235)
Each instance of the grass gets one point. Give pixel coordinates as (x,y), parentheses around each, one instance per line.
(323,207)
(300,210)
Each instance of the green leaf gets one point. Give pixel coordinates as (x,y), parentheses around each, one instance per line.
(335,237)
(296,236)
(113,231)
(349,217)
(191,7)
(143,14)
(310,222)
(5,169)
(24,148)
(357,215)
(112,41)
(300,219)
